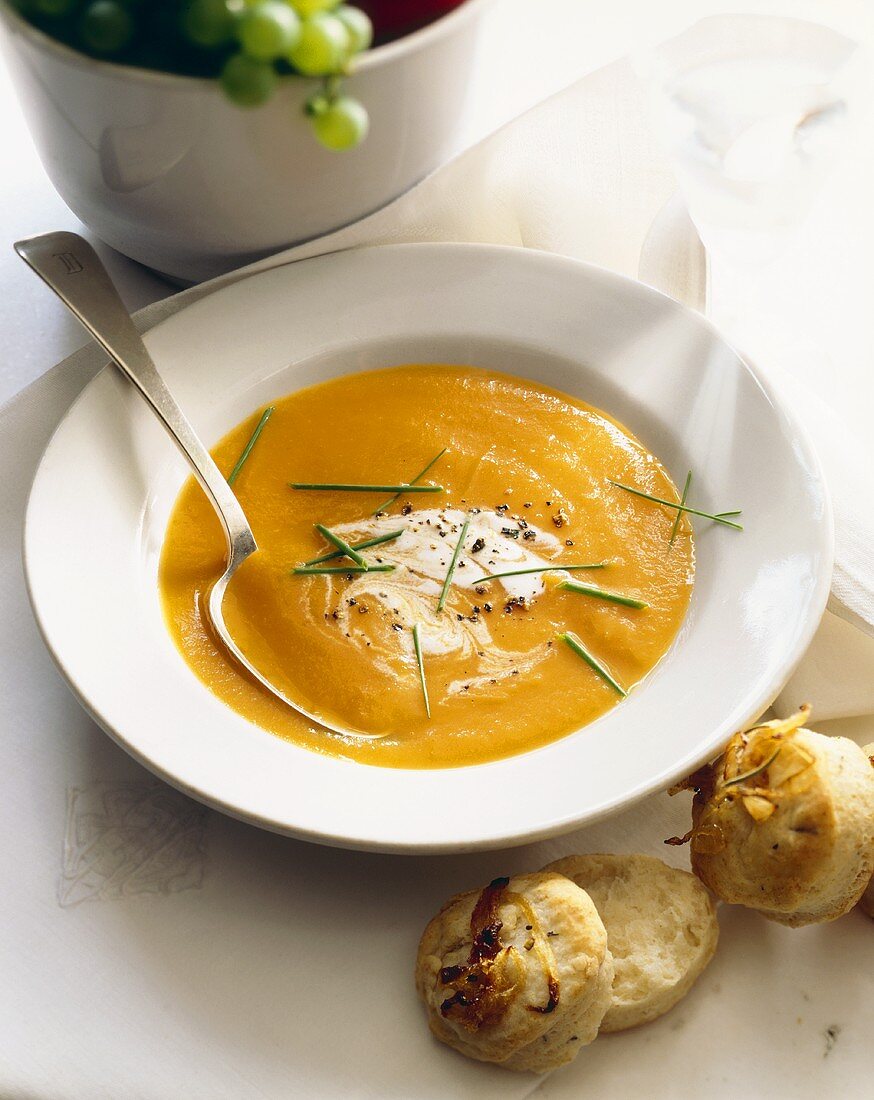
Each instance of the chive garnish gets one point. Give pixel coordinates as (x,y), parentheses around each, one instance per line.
(601,594)
(540,569)
(342,545)
(573,642)
(679,514)
(444,592)
(754,771)
(719,517)
(316,570)
(323,486)
(356,546)
(417,645)
(247,450)
(388,503)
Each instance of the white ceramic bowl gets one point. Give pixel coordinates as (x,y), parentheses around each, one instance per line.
(103,492)
(170,173)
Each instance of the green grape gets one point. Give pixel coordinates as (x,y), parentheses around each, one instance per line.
(268,30)
(247,82)
(322,46)
(50,7)
(317,38)
(358,27)
(313,7)
(208,23)
(106,27)
(342,124)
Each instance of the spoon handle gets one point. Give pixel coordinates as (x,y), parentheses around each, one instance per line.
(69,265)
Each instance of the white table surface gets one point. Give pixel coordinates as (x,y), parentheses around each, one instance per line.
(574,37)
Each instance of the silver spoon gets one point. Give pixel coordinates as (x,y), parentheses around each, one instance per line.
(71,268)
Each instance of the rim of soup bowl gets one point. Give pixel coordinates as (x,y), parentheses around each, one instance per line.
(373,58)
(463,260)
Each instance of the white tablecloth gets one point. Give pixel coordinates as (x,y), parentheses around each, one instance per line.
(154,950)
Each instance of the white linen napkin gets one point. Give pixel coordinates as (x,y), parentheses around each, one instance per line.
(165,952)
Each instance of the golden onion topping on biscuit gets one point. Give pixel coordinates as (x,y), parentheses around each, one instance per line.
(783,822)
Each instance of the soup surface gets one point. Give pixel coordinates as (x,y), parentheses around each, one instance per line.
(530,470)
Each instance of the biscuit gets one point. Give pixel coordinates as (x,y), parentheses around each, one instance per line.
(866,901)
(783,822)
(518,973)
(661,930)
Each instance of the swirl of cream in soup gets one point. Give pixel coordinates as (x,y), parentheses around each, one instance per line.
(409,594)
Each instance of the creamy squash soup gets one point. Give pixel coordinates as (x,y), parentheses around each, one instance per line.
(464,563)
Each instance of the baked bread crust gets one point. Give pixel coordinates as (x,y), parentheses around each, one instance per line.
(783,822)
(866,901)
(518,973)
(661,930)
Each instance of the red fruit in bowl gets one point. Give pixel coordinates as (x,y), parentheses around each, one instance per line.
(393,18)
